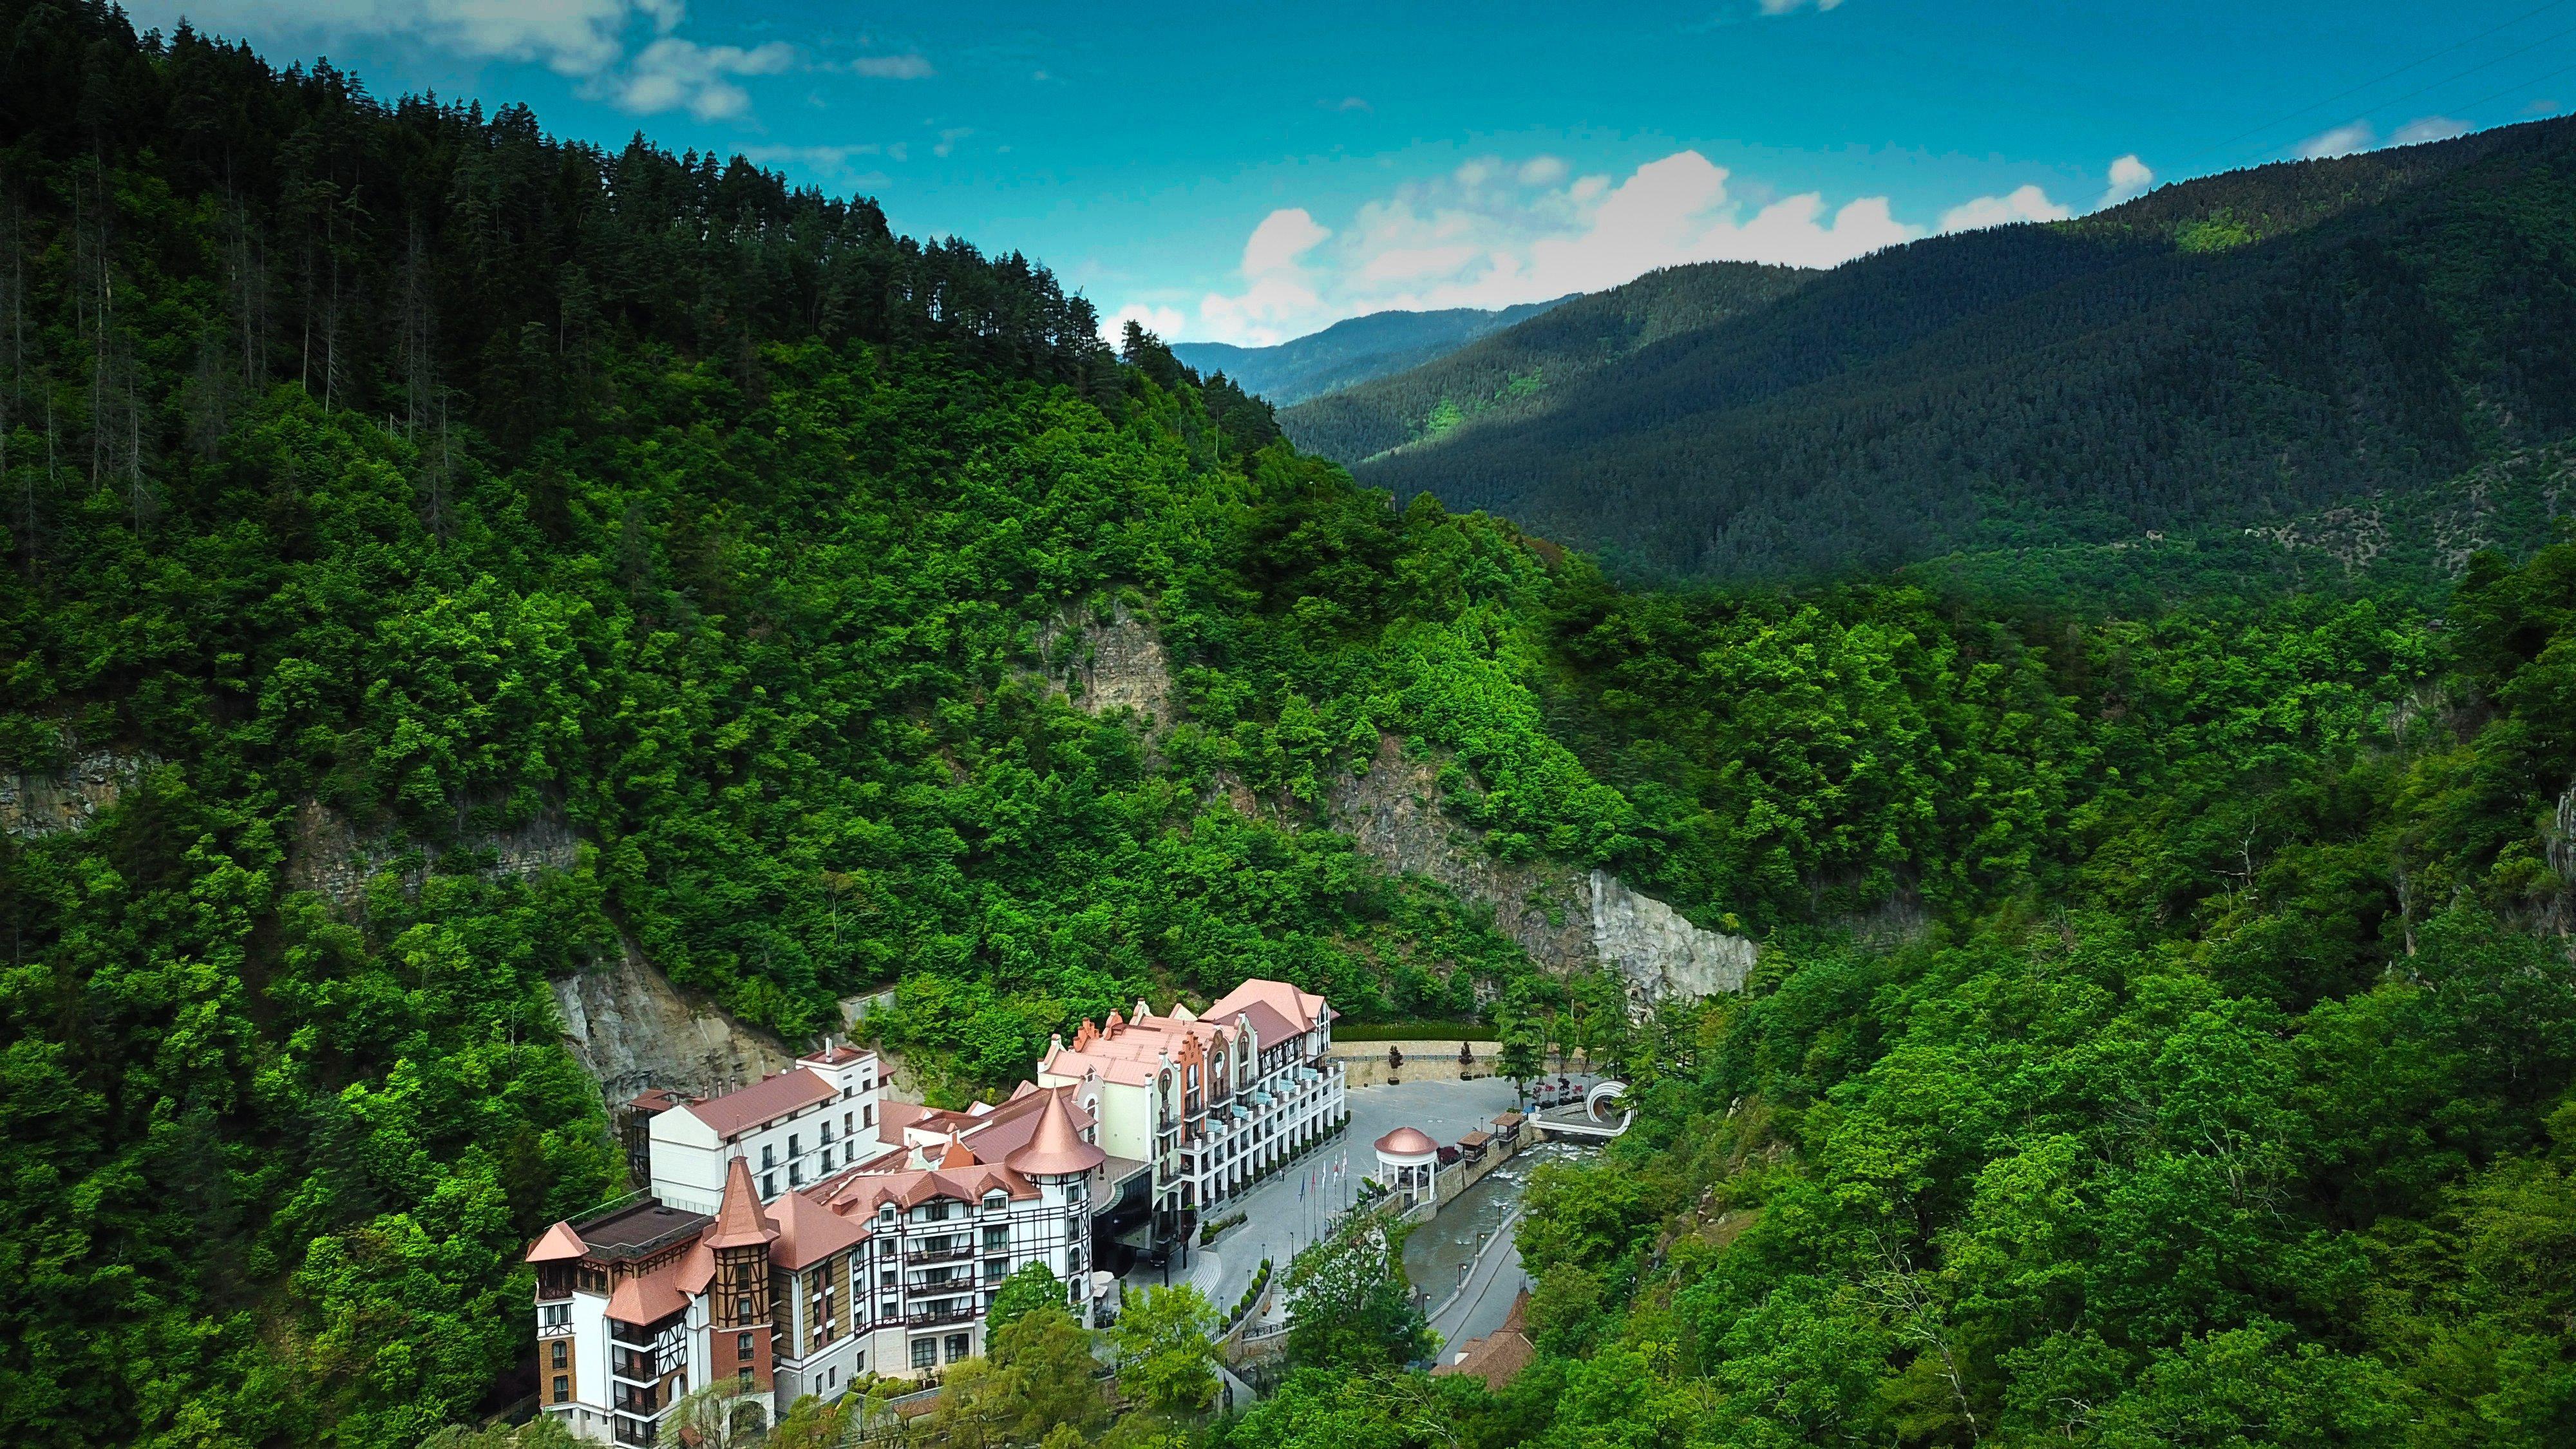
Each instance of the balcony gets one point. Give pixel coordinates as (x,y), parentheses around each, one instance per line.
(633,1367)
(949,1253)
(643,1403)
(960,1310)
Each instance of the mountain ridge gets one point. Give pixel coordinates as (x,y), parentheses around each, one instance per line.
(1353,350)
(2221,351)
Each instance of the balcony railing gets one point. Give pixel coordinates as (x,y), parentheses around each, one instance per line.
(923,1253)
(961,1311)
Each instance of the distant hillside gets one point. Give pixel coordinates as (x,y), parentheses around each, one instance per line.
(2229,352)
(1524,371)
(1350,352)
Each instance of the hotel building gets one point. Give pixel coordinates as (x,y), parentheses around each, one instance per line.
(807,1231)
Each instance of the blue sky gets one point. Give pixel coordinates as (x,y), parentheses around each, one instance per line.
(1246,174)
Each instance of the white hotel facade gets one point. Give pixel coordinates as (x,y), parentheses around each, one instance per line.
(809,1230)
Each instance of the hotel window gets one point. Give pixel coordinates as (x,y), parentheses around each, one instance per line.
(935,1212)
(867,1114)
(958,1346)
(997,1240)
(925,1353)
(768,1154)
(793,1150)
(742,1345)
(562,1354)
(846,1119)
(563,1388)
(769,1184)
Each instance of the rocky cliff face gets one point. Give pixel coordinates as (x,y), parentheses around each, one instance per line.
(632,1029)
(1663,955)
(1110,663)
(628,1025)
(328,855)
(1394,814)
(55,801)
(1566,920)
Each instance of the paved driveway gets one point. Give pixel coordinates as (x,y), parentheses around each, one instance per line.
(1280,1219)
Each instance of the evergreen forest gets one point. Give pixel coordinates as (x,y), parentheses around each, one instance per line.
(2164,1031)
(2230,353)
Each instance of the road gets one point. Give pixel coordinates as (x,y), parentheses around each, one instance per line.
(1485,1302)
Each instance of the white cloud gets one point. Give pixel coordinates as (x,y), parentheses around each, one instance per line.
(586,39)
(1161,321)
(672,73)
(2428,128)
(1783,7)
(2023,203)
(898,67)
(2131,178)
(839,163)
(2341,141)
(1492,232)
(946,145)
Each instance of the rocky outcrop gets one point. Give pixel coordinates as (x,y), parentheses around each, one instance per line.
(1567,920)
(632,1029)
(55,801)
(1663,955)
(328,855)
(1111,663)
(1394,814)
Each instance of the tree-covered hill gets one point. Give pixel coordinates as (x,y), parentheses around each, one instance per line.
(1527,370)
(1352,351)
(2220,354)
(2161,1015)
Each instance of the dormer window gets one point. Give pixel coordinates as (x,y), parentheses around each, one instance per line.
(885,1214)
(996,1201)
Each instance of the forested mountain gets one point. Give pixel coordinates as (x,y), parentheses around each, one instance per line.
(2220,354)
(2164,1030)
(1530,369)
(1350,351)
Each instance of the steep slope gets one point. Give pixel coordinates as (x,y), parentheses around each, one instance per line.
(2220,353)
(1351,351)
(1527,370)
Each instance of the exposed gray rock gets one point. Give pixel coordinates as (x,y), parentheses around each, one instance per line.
(328,855)
(1114,663)
(56,801)
(1394,814)
(632,1029)
(1663,955)
(1565,919)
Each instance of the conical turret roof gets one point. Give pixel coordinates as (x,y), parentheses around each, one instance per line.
(739,1221)
(1056,1149)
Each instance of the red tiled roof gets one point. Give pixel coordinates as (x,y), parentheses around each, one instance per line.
(895,1117)
(1266,1022)
(739,1220)
(766,1100)
(1406,1142)
(809,1232)
(649,1297)
(1056,1149)
(560,1242)
(1301,1008)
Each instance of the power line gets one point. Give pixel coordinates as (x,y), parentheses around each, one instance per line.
(2473,70)
(2518,85)
(2424,59)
